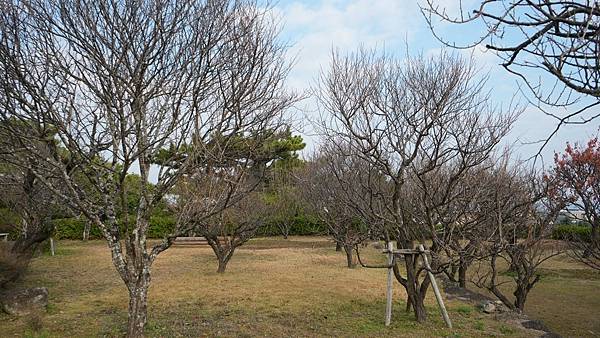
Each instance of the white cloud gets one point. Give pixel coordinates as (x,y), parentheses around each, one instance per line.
(316,29)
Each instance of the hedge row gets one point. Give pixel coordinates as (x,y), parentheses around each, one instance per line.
(72,228)
(160,226)
(569,232)
(300,225)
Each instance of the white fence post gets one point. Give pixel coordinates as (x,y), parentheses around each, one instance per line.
(390,276)
(436,291)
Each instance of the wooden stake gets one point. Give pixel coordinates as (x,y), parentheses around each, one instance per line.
(436,291)
(52,246)
(390,276)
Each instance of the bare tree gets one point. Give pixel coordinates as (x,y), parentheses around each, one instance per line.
(326,187)
(405,118)
(25,196)
(448,200)
(214,200)
(520,216)
(234,227)
(558,38)
(284,199)
(128,84)
(284,208)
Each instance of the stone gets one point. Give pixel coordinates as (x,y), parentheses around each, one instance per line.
(535,325)
(488,307)
(502,308)
(24,301)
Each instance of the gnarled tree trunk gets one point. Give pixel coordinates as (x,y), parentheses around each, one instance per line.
(138,304)
(462,273)
(349,256)
(224,251)
(415,290)
(223,260)
(416,296)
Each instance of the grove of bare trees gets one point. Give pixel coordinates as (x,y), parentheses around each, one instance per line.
(407,120)
(154,87)
(110,108)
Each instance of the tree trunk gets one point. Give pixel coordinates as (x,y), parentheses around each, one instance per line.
(224,251)
(462,274)
(520,298)
(349,256)
(138,306)
(452,273)
(86,230)
(222,265)
(419,308)
(286,231)
(513,267)
(224,257)
(408,305)
(338,246)
(594,241)
(415,297)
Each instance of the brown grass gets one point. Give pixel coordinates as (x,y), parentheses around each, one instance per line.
(299,287)
(566,299)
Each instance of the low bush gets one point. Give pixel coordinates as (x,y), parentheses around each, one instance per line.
(300,225)
(8,220)
(570,232)
(72,228)
(161,226)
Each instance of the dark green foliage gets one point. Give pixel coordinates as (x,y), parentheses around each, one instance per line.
(161,226)
(262,148)
(72,228)
(7,220)
(301,225)
(572,232)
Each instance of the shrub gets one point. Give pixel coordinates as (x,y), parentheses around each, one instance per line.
(8,220)
(572,232)
(300,225)
(161,226)
(304,225)
(72,228)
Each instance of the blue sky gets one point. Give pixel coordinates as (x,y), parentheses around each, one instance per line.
(315,27)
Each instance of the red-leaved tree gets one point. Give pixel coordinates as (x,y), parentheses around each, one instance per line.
(575,179)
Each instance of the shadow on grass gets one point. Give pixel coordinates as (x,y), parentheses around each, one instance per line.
(354,318)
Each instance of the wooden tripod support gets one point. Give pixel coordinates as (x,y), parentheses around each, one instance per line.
(421,251)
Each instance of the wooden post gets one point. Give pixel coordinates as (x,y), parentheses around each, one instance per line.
(52,246)
(390,276)
(434,286)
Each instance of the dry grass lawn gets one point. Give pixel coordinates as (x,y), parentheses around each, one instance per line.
(566,299)
(299,287)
